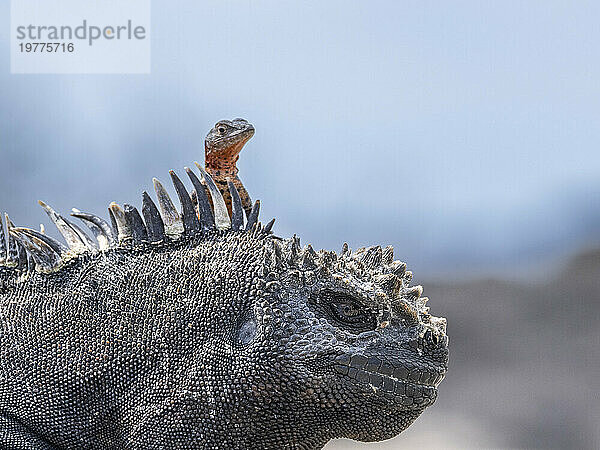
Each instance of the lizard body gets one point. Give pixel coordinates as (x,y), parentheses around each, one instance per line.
(222,148)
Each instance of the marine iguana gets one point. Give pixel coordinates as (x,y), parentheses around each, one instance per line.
(181,331)
(222,148)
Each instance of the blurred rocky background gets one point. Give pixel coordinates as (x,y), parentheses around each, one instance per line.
(465,134)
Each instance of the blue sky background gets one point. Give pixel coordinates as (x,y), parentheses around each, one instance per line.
(463,133)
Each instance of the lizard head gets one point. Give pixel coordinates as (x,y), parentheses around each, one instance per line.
(225,140)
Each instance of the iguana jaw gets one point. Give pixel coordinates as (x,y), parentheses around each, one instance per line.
(406,385)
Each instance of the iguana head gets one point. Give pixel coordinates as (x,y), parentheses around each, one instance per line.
(354,346)
(211,332)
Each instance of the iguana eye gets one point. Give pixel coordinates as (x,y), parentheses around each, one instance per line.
(347,311)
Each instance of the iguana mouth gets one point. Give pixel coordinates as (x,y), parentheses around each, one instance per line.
(407,385)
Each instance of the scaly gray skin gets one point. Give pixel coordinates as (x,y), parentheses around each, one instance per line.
(186,332)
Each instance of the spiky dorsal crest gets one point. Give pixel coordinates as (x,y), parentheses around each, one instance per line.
(26,249)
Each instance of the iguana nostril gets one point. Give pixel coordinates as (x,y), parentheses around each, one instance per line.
(431,338)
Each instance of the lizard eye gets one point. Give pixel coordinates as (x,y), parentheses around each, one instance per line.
(221,130)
